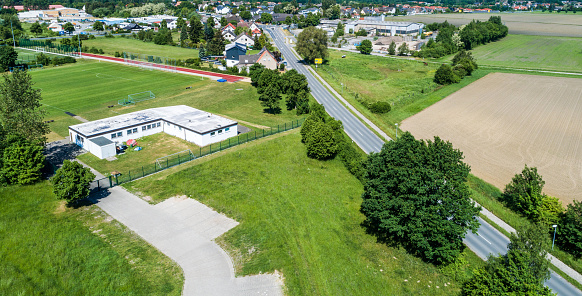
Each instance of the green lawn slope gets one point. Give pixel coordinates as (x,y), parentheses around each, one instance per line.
(301,217)
(48,249)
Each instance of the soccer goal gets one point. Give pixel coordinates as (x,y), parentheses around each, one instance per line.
(136,98)
(175,159)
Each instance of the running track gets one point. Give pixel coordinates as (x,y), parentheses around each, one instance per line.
(229,78)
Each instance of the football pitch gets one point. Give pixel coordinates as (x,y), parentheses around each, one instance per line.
(89,88)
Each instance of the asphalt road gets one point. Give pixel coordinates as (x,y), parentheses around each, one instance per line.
(355,129)
(487,240)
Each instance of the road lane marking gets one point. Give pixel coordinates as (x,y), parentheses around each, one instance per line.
(485,240)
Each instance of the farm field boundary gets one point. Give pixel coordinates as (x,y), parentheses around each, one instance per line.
(504,121)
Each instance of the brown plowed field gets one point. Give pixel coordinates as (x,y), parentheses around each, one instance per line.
(504,121)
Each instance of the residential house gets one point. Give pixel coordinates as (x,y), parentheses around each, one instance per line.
(257,33)
(222,9)
(256,11)
(228,32)
(233,52)
(307,11)
(244,39)
(264,57)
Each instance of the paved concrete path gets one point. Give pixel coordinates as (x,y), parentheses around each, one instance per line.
(184,229)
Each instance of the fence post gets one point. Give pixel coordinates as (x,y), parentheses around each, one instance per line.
(166,163)
(142,171)
(116,180)
(255,134)
(200,152)
(263,133)
(238,139)
(110,182)
(277,128)
(129,175)
(179,160)
(228,142)
(98,187)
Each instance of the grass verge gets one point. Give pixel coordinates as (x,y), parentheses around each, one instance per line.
(488,196)
(50,249)
(301,217)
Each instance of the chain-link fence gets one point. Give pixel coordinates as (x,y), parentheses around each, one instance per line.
(180,158)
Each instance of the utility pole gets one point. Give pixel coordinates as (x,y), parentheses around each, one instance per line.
(13,41)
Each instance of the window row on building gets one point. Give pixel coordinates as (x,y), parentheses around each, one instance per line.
(134,130)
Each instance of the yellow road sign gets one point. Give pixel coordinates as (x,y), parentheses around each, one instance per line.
(318,61)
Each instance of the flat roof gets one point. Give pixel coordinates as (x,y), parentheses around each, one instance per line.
(185,116)
(384,23)
(101,141)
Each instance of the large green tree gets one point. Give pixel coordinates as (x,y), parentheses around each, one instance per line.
(8,57)
(524,193)
(296,88)
(570,229)
(416,194)
(22,162)
(365,47)
(195,29)
(392,48)
(216,44)
(522,271)
(98,26)
(266,18)
(69,28)
(444,75)
(255,72)
(20,108)
(312,44)
(246,15)
(321,134)
(71,181)
(269,87)
(36,28)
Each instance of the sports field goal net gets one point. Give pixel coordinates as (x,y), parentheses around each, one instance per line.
(175,159)
(136,98)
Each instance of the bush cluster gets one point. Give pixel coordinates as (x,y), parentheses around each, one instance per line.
(463,65)
(379,107)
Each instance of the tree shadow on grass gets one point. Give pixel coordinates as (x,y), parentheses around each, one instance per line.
(273,111)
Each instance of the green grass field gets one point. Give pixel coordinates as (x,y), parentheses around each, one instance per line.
(300,216)
(531,52)
(48,249)
(122,44)
(87,88)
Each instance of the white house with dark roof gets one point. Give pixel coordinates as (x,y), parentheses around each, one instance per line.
(245,39)
(199,127)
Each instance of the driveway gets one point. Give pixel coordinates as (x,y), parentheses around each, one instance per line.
(184,230)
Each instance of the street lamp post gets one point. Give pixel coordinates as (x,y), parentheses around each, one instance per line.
(554,240)
(396,124)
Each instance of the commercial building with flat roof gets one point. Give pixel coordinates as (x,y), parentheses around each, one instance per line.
(193,125)
(385,28)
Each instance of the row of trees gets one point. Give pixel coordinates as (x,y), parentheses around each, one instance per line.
(271,86)
(449,41)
